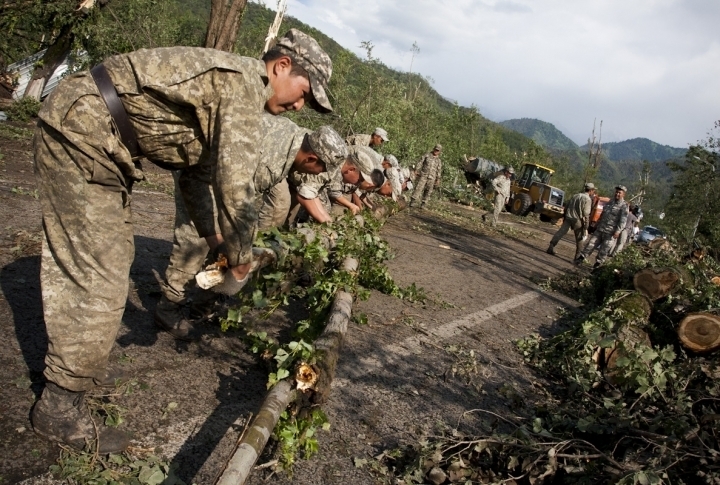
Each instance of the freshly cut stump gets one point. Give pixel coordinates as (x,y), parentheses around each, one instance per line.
(700,332)
(656,283)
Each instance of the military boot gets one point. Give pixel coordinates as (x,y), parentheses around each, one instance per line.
(170,317)
(203,304)
(61,415)
(551,249)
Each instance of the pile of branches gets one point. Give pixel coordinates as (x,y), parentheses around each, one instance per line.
(633,393)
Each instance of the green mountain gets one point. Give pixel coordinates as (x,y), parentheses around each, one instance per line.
(640,149)
(541,132)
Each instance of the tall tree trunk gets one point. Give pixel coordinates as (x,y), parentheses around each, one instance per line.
(224,23)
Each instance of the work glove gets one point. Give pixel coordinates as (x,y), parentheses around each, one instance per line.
(229,285)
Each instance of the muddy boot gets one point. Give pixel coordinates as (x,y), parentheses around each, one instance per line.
(579,260)
(61,415)
(551,250)
(170,317)
(114,376)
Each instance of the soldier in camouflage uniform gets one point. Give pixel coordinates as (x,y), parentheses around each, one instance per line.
(577,218)
(342,191)
(284,146)
(501,185)
(392,173)
(611,223)
(427,176)
(193,109)
(374,141)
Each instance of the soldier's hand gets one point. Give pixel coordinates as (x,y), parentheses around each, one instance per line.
(616,235)
(355,209)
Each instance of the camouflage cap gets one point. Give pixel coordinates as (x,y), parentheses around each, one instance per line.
(381,133)
(309,55)
(509,169)
(621,187)
(589,186)
(364,163)
(438,147)
(329,147)
(393,161)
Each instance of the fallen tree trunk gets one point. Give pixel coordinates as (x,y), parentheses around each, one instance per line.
(283,393)
(700,332)
(656,283)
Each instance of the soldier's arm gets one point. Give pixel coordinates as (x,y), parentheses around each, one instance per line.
(622,220)
(315,209)
(235,140)
(421,165)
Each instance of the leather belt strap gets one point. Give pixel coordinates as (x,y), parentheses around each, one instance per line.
(116,109)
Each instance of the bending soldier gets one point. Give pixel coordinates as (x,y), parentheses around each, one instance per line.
(186,108)
(501,185)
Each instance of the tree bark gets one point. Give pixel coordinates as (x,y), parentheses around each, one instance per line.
(225,16)
(656,283)
(700,332)
(54,56)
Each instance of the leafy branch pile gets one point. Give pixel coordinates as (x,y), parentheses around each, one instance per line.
(308,268)
(647,415)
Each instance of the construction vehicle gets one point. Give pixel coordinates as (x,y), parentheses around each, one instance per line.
(531,192)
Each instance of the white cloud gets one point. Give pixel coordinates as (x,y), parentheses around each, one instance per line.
(647,68)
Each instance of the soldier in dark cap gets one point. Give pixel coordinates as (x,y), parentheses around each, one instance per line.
(186,108)
(610,226)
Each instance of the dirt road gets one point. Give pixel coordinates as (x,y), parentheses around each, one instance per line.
(412,371)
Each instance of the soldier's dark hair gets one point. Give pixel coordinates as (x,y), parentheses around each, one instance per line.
(377,178)
(276,53)
(305,145)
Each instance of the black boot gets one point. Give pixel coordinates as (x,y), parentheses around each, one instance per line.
(170,317)
(61,415)
(551,249)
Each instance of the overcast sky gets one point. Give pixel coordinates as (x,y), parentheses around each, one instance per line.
(647,68)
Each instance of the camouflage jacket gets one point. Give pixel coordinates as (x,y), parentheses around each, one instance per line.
(613,218)
(430,165)
(359,140)
(200,110)
(309,186)
(578,208)
(501,185)
(393,175)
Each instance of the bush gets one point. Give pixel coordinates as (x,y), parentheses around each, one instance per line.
(23,109)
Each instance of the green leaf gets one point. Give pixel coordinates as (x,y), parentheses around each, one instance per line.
(282,374)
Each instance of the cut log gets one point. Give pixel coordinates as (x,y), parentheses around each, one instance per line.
(656,283)
(700,332)
(660,244)
(635,312)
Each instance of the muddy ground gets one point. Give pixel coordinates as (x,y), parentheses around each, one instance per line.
(407,374)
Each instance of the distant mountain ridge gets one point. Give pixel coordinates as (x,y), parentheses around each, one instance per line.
(541,132)
(640,149)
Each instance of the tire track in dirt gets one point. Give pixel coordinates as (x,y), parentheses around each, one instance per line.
(390,354)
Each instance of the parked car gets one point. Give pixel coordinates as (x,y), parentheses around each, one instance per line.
(648,233)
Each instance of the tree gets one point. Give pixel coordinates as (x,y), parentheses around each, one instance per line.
(225,17)
(693,208)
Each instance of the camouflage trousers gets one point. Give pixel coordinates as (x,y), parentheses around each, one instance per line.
(424,187)
(498,205)
(87,245)
(188,253)
(577,228)
(190,250)
(603,240)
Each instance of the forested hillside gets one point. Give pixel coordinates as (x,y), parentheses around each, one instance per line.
(541,132)
(641,149)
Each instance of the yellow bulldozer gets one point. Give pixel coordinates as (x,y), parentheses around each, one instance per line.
(531,192)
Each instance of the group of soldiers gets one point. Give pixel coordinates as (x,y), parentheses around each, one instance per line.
(614,228)
(210,117)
